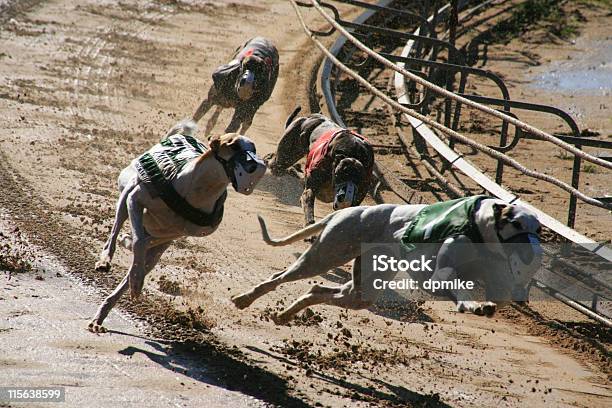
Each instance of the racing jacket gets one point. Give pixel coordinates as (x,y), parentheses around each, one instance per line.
(319,148)
(437,222)
(161,164)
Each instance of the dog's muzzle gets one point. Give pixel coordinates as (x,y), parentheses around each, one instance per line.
(524,255)
(344,195)
(248,170)
(245,87)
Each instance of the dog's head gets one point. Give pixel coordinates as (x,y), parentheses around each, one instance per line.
(252,78)
(517,230)
(238,156)
(349,180)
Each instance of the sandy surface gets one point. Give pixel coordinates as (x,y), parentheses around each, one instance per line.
(83,89)
(44,344)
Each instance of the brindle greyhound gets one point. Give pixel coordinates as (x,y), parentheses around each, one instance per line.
(339,162)
(244,84)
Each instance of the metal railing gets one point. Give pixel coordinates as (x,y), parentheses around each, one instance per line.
(425,44)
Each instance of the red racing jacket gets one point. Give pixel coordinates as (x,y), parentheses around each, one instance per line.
(320,147)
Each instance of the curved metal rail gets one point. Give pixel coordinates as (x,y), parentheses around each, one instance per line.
(475,174)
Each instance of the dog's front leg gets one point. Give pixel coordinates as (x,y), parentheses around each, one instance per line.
(245,126)
(308,201)
(242,118)
(453,253)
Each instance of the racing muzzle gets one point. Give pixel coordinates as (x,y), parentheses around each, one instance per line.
(344,195)
(524,255)
(245,88)
(248,169)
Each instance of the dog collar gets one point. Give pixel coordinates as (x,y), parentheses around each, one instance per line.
(227,166)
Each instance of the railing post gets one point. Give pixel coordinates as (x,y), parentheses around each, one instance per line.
(571,212)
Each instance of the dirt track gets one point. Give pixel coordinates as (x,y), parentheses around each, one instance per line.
(83,89)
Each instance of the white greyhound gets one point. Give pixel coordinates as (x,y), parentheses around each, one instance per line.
(176,189)
(452,228)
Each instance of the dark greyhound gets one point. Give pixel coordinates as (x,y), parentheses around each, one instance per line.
(339,162)
(244,84)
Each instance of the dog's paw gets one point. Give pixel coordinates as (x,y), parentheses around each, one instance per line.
(280,319)
(94,327)
(485,309)
(102,266)
(125,240)
(241,301)
(489,309)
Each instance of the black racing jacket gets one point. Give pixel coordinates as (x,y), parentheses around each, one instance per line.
(265,68)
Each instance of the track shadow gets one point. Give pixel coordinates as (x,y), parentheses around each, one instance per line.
(207,363)
(431,400)
(398,395)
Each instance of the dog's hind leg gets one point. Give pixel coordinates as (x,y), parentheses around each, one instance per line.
(317,295)
(152,258)
(319,258)
(304,267)
(291,148)
(139,244)
(121,214)
(350,296)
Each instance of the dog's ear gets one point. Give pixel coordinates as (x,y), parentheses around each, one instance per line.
(497,211)
(502,214)
(214,143)
(232,142)
(292,116)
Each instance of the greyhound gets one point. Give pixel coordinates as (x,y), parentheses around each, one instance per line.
(176,189)
(244,84)
(339,162)
(455,227)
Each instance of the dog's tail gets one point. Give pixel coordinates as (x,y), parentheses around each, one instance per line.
(292,116)
(296,236)
(186,127)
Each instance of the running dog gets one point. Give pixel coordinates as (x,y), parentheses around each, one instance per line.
(244,84)
(339,162)
(176,189)
(462,233)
